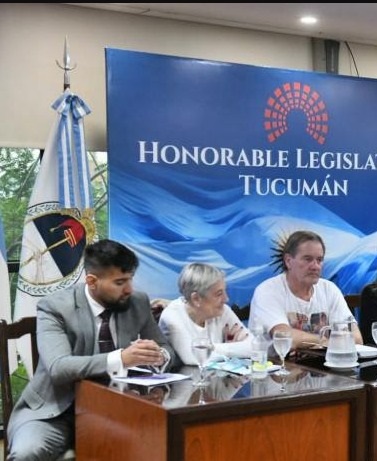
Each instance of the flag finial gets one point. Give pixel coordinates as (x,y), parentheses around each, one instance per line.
(66,66)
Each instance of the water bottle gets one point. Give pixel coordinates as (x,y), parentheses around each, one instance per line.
(259,351)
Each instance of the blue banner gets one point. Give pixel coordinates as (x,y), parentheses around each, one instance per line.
(213,161)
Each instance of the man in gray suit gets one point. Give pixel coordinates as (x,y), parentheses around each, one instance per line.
(68,323)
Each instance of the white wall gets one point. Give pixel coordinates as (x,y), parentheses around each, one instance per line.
(32,39)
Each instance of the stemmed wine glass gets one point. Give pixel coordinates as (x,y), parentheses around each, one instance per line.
(202,399)
(374,331)
(201,348)
(282,341)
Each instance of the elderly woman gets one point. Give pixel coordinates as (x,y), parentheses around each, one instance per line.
(202,310)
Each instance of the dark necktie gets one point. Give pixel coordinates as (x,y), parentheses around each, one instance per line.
(105,339)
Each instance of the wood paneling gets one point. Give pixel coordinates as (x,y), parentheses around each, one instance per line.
(310,434)
(327,424)
(107,422)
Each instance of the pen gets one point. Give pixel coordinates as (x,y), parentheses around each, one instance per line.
(137,339)
(153,376)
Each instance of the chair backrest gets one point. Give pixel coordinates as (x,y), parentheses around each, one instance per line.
(16,330)
(242,313)
(368,311)
(8,331)
(353,301)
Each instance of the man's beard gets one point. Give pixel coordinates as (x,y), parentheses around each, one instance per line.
(118,306)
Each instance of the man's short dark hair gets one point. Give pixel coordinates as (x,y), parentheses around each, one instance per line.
(105,254)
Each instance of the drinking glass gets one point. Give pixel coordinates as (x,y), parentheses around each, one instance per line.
(282,341)
(202,400)
(282,380)
(374,331)
(201,348)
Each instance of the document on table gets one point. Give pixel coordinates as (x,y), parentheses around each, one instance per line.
(153,379)
(366,351)
(239,366)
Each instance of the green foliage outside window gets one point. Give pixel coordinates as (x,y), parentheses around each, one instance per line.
(18,171)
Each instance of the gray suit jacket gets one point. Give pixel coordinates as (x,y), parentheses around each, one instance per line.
(68,352)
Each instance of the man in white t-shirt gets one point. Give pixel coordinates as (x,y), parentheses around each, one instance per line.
(298,299)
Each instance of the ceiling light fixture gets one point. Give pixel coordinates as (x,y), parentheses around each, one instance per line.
(308,20)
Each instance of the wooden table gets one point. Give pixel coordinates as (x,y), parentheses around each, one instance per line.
(366,373)
(318,416)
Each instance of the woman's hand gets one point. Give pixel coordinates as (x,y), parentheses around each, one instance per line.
(235,333)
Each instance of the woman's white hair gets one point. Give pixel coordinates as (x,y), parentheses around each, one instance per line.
(199,278)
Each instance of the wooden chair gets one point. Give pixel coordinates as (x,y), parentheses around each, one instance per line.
(157,306)
(242,312)
(353,301)
(9,331)
(368,311)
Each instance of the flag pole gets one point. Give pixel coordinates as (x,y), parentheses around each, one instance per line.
(59,221)
(66,66)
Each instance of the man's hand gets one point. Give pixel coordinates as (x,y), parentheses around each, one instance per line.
(143,352)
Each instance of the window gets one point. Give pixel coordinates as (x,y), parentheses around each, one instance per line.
(18,170)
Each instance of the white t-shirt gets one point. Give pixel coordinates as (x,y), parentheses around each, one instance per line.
(179,329)
(274,303)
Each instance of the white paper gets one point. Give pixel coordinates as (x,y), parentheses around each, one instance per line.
(366,351)
(142,370)
(152,380)
(238,366)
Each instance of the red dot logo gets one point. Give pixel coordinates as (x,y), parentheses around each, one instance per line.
(296,96)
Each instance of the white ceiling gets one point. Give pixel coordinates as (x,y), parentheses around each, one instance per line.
(351,22)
